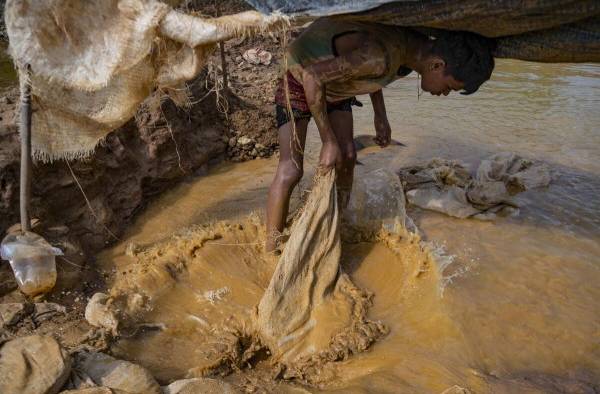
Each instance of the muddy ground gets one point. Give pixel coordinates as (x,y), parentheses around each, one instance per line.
(164,145)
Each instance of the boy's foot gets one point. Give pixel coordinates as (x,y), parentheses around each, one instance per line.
(274,242)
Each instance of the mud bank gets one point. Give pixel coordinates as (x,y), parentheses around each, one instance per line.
(164,145)
(140,160)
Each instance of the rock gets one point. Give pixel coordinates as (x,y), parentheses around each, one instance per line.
(377,201)
(243,141)
(257,56)
(11,314)
(57,231)
(232,142)
(254,152)
(99,313)
(107,371)
(456,390)
(200,385)
(260,147)
(89,390)
(46,310)
(33,365)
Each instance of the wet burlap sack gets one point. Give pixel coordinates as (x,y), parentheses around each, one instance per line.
(447,186)
(93,62)
(308,288)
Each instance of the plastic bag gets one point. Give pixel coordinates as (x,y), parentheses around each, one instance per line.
(32,260)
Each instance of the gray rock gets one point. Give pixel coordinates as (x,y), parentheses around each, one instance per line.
(107,371)
(99,313)
(46,310)
(33,365)
(377,202)
(200,385)
(11,314)
(232,142)
(243,141)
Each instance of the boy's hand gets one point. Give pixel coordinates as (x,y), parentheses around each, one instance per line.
(383,131)
(331,155)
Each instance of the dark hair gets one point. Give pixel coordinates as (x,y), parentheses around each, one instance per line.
(468,57)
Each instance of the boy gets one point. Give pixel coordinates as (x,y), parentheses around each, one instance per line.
(333,61)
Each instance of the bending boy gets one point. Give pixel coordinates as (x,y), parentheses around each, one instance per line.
(333,61)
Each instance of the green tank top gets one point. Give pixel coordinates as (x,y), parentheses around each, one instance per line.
(315,44)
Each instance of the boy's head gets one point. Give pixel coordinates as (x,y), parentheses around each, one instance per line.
(458,61)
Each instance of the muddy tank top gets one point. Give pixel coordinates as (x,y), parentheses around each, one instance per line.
(315,44)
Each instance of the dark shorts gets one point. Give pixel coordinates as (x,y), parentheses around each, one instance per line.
(298,102)
(282,114)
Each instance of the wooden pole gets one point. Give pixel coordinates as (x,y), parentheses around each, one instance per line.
(25,132)
(223,64)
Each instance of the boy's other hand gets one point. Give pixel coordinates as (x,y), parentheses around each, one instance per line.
(383,132)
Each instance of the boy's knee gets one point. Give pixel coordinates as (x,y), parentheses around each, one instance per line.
(289,173)
(348,156)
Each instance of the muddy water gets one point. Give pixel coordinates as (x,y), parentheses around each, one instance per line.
(509,306)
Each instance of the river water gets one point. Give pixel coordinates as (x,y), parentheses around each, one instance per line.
(513,306)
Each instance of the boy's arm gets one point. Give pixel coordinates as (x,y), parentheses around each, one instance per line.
(383,131)
(369,59)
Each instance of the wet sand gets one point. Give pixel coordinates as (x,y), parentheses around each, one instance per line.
(508,306)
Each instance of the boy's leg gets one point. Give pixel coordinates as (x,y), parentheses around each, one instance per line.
(343,127)
(289,172)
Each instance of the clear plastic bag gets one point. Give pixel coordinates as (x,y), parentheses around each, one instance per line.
(32,260)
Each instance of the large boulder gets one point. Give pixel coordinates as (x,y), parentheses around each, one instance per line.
(33,365)
(376,203)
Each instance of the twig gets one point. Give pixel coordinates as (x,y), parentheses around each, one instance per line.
(89,204)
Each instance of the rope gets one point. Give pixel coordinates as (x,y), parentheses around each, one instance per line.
(288,103)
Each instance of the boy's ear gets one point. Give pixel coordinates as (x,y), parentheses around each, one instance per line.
(437,63)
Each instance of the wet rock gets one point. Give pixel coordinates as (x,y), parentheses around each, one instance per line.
(200,385)
(12,313)
(377,201)
(107,371)
(243,141)
(90,390)
(33,365)
(456,390)
(99,313)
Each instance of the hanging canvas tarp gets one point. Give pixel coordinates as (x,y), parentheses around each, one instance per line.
(93,62)
(537,30)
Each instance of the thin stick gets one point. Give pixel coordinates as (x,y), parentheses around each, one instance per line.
(25,131)
(89,204)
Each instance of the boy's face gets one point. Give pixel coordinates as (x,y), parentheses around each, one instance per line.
(436,81)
